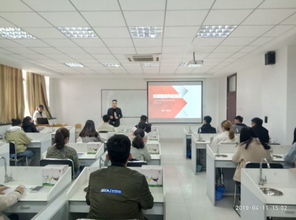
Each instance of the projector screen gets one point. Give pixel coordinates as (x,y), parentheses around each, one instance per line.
(175,102)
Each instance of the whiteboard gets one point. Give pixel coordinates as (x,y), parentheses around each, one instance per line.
(133,102)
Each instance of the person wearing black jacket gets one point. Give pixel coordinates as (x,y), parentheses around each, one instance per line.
(206,127)
(143,124)
(28,125)
(115,114)
(238,124)
(260,132)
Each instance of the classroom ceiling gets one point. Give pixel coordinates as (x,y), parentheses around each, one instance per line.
(257,22)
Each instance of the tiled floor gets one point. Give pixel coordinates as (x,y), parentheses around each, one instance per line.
(186,197)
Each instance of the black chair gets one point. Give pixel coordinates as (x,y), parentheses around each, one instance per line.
(14,157)
(55,161)
(136,163)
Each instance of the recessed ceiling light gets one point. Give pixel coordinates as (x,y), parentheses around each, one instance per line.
(145,32)
(74,65)
(14,33)
(78,32)
(151,64)
(213,31)
(111,65)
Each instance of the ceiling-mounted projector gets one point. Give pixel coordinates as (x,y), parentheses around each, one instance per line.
(195,63)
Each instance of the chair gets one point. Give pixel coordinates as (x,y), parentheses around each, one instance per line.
(136,163)
(14,157)
(55,161)
(252,165)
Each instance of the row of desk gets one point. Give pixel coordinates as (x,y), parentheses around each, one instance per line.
(254,203)
(66,199)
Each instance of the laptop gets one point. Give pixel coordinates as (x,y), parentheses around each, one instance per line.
(42,121)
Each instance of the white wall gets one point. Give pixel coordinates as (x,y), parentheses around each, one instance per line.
(78,99)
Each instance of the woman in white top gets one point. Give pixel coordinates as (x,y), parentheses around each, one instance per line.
(39,113)
(9,199)
(139,151)
(227,135)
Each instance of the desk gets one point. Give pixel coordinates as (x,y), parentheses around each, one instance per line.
(39,144)
(78,205)
(214,162)
(198,151)
(33,202)
(154,148)
(257,205)
(187,142)
(4,152)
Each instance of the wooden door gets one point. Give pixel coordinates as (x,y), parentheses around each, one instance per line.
(231,96)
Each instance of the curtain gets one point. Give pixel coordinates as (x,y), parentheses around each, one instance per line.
(11,94)
(36,92)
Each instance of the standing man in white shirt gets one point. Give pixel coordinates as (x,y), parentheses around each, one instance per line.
(39,113)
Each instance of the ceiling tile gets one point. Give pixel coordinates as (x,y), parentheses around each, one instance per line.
(261,41)
(99,19)
(97,50)
(236,4)
(115,32)
(33,43)
(238,41)
(144,18)
(226,17)
(44,32)
(4,23)
(9,43)
(25,19)
(60,42)
(290,20)
(122,50)
(227,49)
(65,19)
(180,32)
(52,5)
(96,5)
(250,31)
(119,42)
(268,17)
(89,42)
(181,18)
(142,5)
(279,30)
(207,41)
(147,42)
(169,42)
(148,50)
(279,4)
(189,4)
(13,6)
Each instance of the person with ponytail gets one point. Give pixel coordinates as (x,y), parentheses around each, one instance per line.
(250,149)
(226,136)
(139,151)
(60,150)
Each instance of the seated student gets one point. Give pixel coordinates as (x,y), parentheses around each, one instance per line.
(9,199)
(28,125)
(260,132)
(118,192)
(249,150)
(18,136)
(139,151)
(39,113)
(227,134)
(143,124)
(290,157)
(89,133)
(206,127)
(60,150)
(106,126)
(238,124)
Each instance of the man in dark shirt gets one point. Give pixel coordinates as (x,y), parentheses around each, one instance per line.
(118,192)
(115,114)
(207,128)
(260,132)
(238,124)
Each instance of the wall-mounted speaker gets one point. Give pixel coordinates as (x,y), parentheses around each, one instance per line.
(270,58)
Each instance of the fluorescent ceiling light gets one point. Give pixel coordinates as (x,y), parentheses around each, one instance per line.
(151,64)
(14,33)
(145,32)
(78,32)
(74,65)
(213,31)
(111,65)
